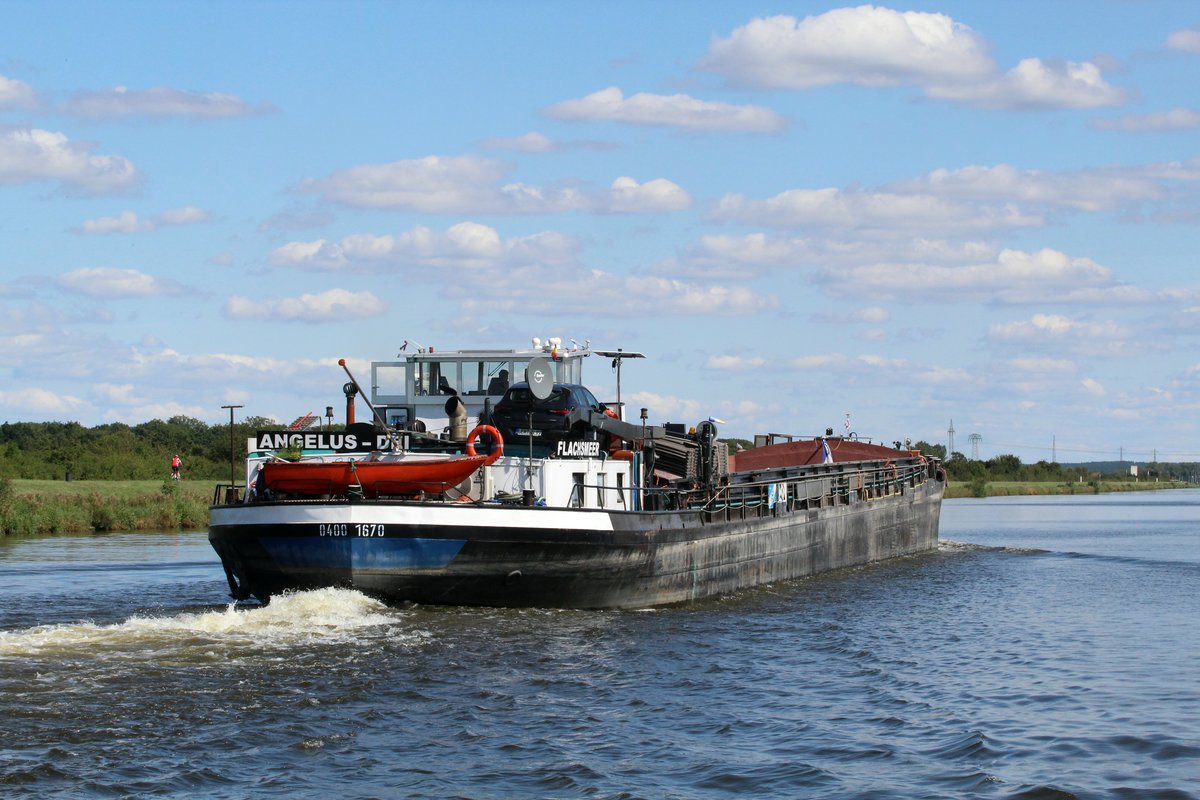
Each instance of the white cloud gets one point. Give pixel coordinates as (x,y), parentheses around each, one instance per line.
(966,200)
(733,363)
(943,375)
(187,215)
(116,283)
(677,110)
(868,46)
(665,406)
(23,342)
(434,184)
(224,368)
(467,245)
(817,361)
(473,184)
(1177,119)
(1014,276)
(334,305)
(1037,84)
(880,362)
(28,155)
(40,401)
(1052,324)
(1093,386)
(628,196)
(122,394)
(549,248)
(129,222)
(1084,190)
(532,142)
(556,292)
(161,101)
(1042,365)
(136,382)
(730,255)
(145,411)
(296,254)
(535,142)
(1187,39)
(869,368)
(1105,338)
(871,46)
(125,222)
(749,255)
(1172,170)
(855,208)
(872,314)
(14,93)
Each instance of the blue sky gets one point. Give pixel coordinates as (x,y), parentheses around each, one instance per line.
(978,212)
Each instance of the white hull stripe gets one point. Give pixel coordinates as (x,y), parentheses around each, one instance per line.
(444,516)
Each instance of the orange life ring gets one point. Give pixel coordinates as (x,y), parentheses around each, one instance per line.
(497,449)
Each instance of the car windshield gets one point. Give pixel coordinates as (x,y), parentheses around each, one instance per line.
(521,396)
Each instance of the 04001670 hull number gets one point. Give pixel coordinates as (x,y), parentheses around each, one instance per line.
(362,529)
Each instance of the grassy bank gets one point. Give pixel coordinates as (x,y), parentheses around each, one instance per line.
(29,507)
(1014,488)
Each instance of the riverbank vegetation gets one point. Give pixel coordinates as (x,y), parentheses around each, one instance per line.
(1095,486)
(38,507)
(1007,475)
(64,451)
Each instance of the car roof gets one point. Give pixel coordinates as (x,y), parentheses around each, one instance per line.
(525,385)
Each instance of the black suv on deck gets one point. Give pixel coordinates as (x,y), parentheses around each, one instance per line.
(551,419)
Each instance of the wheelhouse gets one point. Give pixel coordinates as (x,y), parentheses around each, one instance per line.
(416,388)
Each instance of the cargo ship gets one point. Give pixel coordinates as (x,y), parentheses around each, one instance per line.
(466,489)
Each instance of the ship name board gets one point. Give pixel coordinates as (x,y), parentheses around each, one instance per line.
(578,449)
(348,441)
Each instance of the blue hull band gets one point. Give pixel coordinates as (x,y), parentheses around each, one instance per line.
(354,553)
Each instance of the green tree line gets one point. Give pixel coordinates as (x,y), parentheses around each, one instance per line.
(961,469)
(116,451)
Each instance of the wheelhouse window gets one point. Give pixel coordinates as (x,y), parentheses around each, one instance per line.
(389,379)
(436,378)
(487,377)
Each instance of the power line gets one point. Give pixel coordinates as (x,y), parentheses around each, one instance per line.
(1120,452)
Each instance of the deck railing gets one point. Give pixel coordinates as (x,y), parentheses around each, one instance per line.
(793,489)
(768,492)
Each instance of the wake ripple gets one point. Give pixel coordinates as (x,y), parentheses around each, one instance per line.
(951,546)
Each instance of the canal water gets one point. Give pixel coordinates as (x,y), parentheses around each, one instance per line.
(1049,649)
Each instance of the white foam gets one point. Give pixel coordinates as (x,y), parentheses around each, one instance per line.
(320,614)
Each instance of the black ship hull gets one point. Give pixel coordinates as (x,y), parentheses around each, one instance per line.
(498,555)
